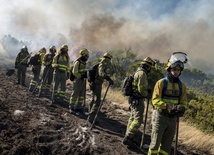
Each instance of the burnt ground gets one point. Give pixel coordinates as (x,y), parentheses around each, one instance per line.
(30,125)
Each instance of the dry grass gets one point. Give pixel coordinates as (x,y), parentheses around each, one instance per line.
(116,96)
(194,138)
(188,135)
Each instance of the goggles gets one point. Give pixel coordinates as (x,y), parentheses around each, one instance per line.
(177,63)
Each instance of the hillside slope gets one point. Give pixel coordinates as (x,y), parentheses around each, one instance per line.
(33,126)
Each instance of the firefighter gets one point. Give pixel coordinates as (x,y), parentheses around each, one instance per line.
(168,99)
(136,101)
(21,64)
(80,73)
(61,65)
(105,71)
(36,62)
(47,76)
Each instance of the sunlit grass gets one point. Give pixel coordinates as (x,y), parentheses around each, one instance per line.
(192,137)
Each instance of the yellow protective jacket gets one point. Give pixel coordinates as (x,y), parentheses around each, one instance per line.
(61,62)
(48,59)
(41,54)
(105,69)
(79,68)
(172,90)
(140,83)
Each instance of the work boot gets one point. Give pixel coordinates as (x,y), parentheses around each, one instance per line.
(129,141)
(18,82)
(72,110)
(23,84)
(79,112)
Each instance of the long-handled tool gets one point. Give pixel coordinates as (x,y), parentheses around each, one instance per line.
(84,102)
(176,137)
(41,80)
(92,125)
(142,145)
(53,98)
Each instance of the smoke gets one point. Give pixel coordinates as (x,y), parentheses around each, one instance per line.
(150,28)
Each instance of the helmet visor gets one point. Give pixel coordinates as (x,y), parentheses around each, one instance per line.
(177,63)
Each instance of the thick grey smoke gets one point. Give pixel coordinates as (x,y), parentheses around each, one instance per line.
(151,28)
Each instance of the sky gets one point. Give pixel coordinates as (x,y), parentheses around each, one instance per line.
(154,28)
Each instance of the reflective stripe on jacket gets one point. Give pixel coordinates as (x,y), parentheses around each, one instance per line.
(62,61)
(159,100)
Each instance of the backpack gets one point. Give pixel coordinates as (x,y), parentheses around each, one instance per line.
(91,73)
(165,83)
(72,77)
(34,60)
(127,85)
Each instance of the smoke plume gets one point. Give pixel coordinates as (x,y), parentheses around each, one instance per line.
(151,28)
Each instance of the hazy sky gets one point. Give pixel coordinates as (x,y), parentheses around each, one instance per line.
(153,28)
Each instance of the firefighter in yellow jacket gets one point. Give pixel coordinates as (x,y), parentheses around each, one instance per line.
(80,72)
(47,76)
(136,101)
(21,64)
(168,99)
(61,65)
(36,69)
(105,71)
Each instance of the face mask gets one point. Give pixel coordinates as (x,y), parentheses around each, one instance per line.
(85,58)
(64,51)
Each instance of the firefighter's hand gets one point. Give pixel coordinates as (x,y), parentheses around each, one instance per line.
(180,110)
(111,82)
(170,108)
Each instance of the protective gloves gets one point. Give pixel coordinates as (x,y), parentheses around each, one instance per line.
(180,110)
(111,82)
(170,108)
(177,110)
